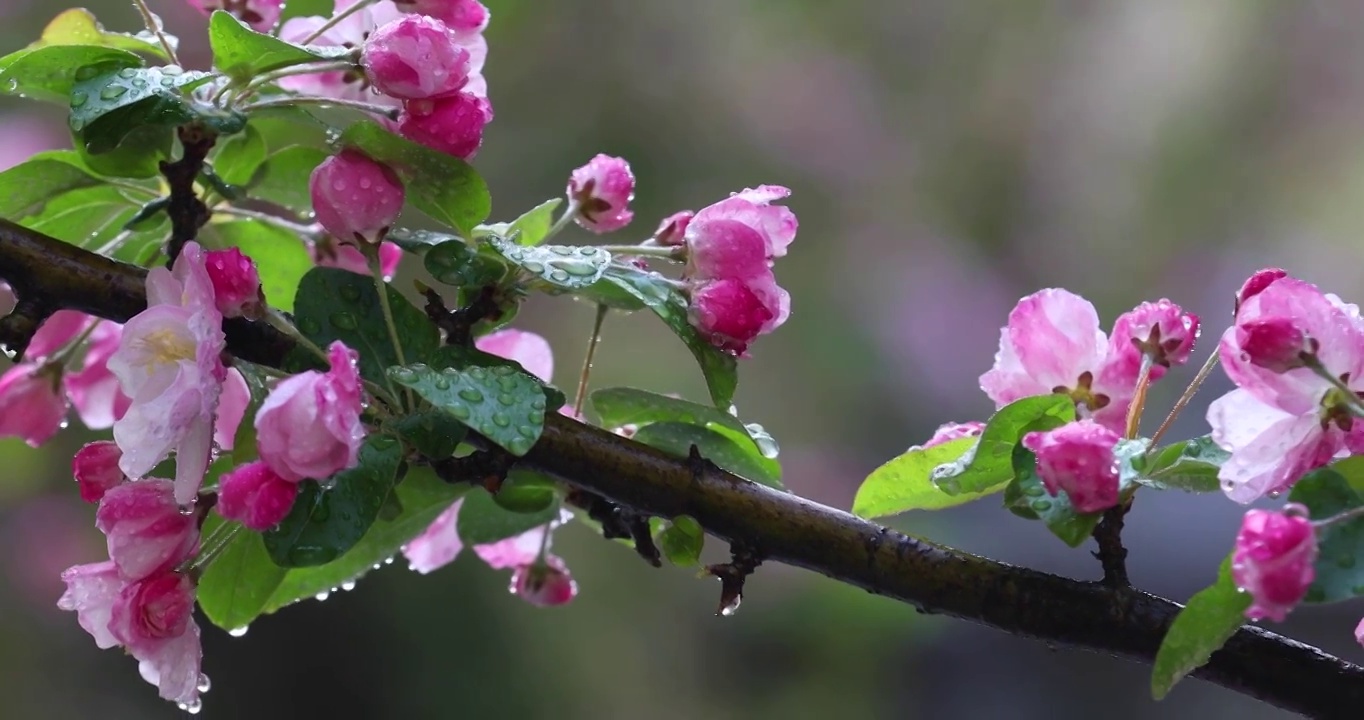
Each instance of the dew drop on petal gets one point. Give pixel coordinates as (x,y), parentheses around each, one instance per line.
(204,685)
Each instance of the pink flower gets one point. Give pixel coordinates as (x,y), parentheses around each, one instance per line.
(169,361)
(1257,283)
(350,32)
(309,425)
(752,207)
(672,231)
(236,284)
(463,16)
(1280,425)
(602,190)
(1053,344)
(452,125)
(255,495)
(1274,344)
(56,333)
(947,432)
(1273,560)
(727,249)
(91,591)
(261,15)
(94,390)
(232,403)
(354,197)
(1160,330)
(415,57)
(7,299)
(1078,458)
(1359,632)
(153,619)
(438,545)
(145,529)
(530,350)
(96,469)
(30,405)
(544,585)
(348,257)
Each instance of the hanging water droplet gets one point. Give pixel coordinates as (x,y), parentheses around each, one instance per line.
(388,560)
(238,632)
(192,707)
(348,585)
(732,607)
(322,595)
(204,684)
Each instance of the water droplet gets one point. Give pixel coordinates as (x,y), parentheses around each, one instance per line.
(127,73)
(139,82)
(322,595)
(308,326)
(538,404)
(1041,505)
(501,420)
(366,183)
(113,92)
(344,321)
(472,395)
(402,374)
(350,292)
(442,383)
(518,446)
(733,606)
(172,70)
(308,555)
(238,632)
(559,276)
(1034,491)
(13,84)
(459,410)
(1275,494)
(204,685)
(536,418)
(339,184)
(506,398)
(77,98)
(534,267)
(478,373)
(348,585)
(588,251)
(388,560)
(192,707)
(528,431)
(86,72)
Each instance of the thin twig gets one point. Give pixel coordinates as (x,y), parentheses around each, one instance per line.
(154,28)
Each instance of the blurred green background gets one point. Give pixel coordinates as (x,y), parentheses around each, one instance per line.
(946,157)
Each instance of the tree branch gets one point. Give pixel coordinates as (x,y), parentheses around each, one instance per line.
(785,528)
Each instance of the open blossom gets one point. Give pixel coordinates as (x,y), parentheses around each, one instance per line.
(1078,458)
(530,350)
(93,389)
(309,425)
(1280,423)
(354,197)
(169,361)
(415,57)
(463,16)
(232,404)
(348,257)
(31,404)
(452,125)
(1257,283)
(1159,330)
(947,432)
(602,190)
(1273,560)
(255,495)
(145,529)
(236,284)
(95,467)
(261,15)
(545,584)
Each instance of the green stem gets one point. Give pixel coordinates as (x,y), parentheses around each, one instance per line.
(1346,516)
(214,545)
(570,212)
(384,110)
(678,253)
(309,68)
(154,28)
(114,243)
(581,394)
(68,353)
(278,321)
(331,23)
(1351,399)
(376,271)
(312,232)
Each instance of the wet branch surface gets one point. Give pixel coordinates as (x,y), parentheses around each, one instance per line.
(780,527)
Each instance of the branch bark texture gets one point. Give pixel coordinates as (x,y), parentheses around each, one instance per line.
(1115,620)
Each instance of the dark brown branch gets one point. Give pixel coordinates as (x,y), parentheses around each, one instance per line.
(1111,554)
(186,211)
(1119,621)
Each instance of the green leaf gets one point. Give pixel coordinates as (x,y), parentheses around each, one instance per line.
(1191,465)
(306,8)
(283,178)
(682,540)
(1064,521)
(660,295)
(26,188)
(460,358)
(1340,545)
(49,73)
(905,483)
(242,53)
(324,524)
(334,304)
(529,229)
(677,439)
(281,258)
(90,217)
(615,407)
(455,263)
(138,156)
(526,492)
(108,103)
(78,26)
(555,268)
(420,241)
(237,586)
(238,157)
(482,520)
(444,187)
(993,460)
(500,403)
(435,434)
(1212,616)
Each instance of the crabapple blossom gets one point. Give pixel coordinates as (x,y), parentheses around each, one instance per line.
(354,197)
(414,58)
(1256,283)
(261,15)
(1274,343)
(236,284)
(32,406)
(95,467)
(1078,458)
(232,405)
(328,253)
(546,584)
(255,495)
(673,229)
(602,190)
(309,424)
(947,432)
(1273,560)
(731,313)
(56,333)
(1160,330)
(463,16)
(776,224)
(452,125)
(145,530)
(530,350)
(93,389)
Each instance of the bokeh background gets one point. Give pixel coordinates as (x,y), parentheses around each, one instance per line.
(946,157)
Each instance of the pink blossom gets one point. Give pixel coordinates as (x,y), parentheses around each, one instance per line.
(350,32)
(94,390)
(236,284)
(514,551)
(56,333)
(31,407)
(1359,632)
(91,591)
(1053,344)
(1280,425)
(169,361)
(752,207)
(530,350)
(463,16)
(1159,330)
(672,231)
(438,545)
(1078,458)
(544,585)
(309,425)
(415,57)
(732,313)
(348,257)
(232,403)
(1273,560)
(261,15)
(602,190)
(255,495)
(1274,343)
(1256,283)
(452,125)
(95,467)
(355,198)
(153,619)
(145,529)
(7,299)
(728,249)
(947,432)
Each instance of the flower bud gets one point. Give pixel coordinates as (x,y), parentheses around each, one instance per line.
(415,57)
(146,531)
(1272,342)
(544,585)
(355,198)
(309,425)
(452,125)
(1273,560)
(96,469)
(602,189)
(671,231)
(728,313)
(31,404)
(1078,458)
(725,249)
(465,17)
(1160,330)
(156,608)
(1256,284)
(255,495)
(236,284)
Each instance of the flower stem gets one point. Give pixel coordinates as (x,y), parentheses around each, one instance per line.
(376,271)
(312,232)
(331,23)
(570,212)
(310,68)
(154,28)
(214,546)
(389,112)
(678,253)
(581,394)
(1138,405)
(68,353)
(1351,399)
(1346,516)
(277,320)
(1185,398)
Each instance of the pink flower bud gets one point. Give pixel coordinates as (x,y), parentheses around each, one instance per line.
(947,432)
(309,425)
(671,231)
(261,15)
(7,299)
(415,57)
(1274,343)
(463,16)
(1078,458)
(152,609)
(145,529)
(544,585)
(1256,284)
(31,404)
(236,284)
(355,198)
(726,249)
(255,495)
(731,313)
(452,125)
(1161,330)
(1273,560)
(602,190)
(774,223)
(96,469)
